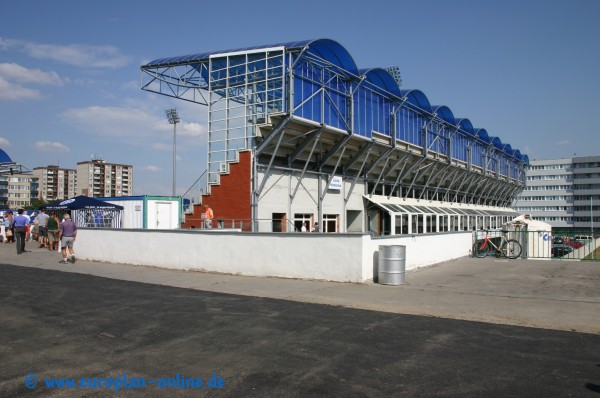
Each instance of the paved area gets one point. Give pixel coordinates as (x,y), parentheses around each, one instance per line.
(94,322)
(562,295)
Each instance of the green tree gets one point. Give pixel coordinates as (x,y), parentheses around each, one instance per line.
(36,204)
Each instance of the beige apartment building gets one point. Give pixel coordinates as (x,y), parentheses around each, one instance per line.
(56,183)
(97,178)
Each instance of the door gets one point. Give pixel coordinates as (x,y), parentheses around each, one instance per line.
(163,215)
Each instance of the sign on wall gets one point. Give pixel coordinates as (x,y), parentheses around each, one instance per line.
(336,183)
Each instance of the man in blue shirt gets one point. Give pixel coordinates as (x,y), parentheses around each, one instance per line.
(20,222)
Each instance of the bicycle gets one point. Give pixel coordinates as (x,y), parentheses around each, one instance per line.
(509,248)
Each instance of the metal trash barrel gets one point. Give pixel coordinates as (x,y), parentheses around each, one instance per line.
(391,264)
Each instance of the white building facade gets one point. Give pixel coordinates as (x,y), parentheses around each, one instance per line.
(564,192)
(56,183)
(97,178)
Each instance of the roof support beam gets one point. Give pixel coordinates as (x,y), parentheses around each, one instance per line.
(358,173)
(385,156)
(357,156)
(416,176)
(446,175)
(397,179)
(264,181)
(433,175)
(333,150)
(479,179)
(279,129)
(393,167)
(312,136)
(460,172)
(316,141)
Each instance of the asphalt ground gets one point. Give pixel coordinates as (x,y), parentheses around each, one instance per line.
(61,324)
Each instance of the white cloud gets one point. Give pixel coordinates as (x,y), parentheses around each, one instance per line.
(15,72)
(191,129)
(47,146)
(111,121)
(4,142)
(79,55)
(159,146)
(150,168)
(563,142)
(12,92)
(134,124)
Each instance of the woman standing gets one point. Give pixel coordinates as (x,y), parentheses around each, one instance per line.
(53,225)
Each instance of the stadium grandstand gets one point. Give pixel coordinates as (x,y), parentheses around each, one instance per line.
(298,135)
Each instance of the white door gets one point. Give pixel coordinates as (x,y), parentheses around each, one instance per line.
(163,215)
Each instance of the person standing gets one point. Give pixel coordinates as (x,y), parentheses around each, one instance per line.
(20,223)
(68,234)
(208,216)
(9,230)
(53,224)
(42,220)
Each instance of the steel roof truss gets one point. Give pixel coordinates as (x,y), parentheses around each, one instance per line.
(316,134)
(368,149)
(416,176)
(278,130)
(325,158)
(311,136)
(357,156)
(264,181)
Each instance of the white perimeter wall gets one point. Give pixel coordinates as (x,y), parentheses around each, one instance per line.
(333,257)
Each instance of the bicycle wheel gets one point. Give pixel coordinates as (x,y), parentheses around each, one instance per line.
(481,249)
(513,249)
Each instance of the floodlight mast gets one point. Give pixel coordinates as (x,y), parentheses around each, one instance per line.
(173,117)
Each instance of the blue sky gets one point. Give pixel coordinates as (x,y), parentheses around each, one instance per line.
(526,71)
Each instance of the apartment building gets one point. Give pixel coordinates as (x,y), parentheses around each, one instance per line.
(56,183)
(18,190)
(564,192)
(97,178)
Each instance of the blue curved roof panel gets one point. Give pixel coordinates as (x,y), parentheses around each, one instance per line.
(483,135)
(525,159)
(327,49)
(518,155)
(508,149)
(444,113)
(496,142)
(4,158)
(417,98)
(382,79)
(466,125)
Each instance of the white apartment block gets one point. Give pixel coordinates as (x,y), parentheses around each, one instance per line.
(565,192)
(56,183)
(96,178)
(20,190)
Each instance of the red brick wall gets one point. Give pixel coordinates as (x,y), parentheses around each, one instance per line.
(231,198)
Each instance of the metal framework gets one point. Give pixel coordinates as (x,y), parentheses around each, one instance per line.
(305,106)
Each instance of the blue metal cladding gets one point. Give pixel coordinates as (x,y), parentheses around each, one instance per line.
(4,158)
(327,87)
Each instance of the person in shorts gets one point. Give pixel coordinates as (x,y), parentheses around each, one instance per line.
(42,220)
(68,234)
(53,224)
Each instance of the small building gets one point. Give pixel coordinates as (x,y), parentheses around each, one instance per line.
(149,212)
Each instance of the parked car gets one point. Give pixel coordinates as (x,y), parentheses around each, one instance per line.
(583,239)
(561,250)
(558,240)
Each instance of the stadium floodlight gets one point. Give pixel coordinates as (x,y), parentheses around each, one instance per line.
(173,117)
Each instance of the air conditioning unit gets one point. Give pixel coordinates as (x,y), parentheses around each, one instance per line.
(222,167)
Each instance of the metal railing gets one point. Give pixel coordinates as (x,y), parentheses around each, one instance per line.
(246,224)
(545,245)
